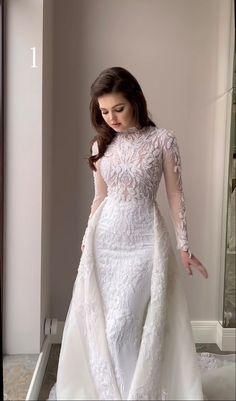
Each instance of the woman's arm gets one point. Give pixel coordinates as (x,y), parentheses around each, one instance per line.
(174,189)
(100,191)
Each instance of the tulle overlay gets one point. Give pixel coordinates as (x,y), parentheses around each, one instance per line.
(217,372)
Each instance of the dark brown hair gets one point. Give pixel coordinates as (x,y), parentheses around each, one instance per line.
(114,80)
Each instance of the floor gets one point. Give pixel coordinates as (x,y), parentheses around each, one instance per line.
(17,374)
(18,371)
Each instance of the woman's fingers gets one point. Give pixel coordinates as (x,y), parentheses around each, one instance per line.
(202,270)
(186,262)
(194,262)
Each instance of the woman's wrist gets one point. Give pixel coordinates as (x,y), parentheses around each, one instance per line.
(188,251)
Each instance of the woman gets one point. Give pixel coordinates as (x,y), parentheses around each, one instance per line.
(127,334)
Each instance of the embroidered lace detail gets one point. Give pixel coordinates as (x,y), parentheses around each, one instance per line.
(126,287)
(124,256)
(132,167)
(132,130)
(89,315)
(208,361)
(151,349)
(131,275)
(174,189)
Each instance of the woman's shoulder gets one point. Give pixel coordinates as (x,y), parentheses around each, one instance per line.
(165,137)
(164,132)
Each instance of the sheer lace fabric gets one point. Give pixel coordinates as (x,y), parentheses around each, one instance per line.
(132,169)
(124,253)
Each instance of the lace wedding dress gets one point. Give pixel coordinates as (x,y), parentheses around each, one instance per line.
(127,334)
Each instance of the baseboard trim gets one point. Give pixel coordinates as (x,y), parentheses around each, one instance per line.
(225,338)
(40,368)
(213,332)
(57,338)
(204,331)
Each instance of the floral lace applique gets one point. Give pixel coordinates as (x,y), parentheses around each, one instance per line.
(131,169)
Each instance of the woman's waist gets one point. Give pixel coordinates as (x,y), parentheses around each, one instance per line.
(134,202)
(127,217)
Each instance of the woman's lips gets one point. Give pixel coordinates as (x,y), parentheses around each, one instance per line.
(116,125)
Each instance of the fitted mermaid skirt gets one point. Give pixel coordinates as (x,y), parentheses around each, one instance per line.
(124,259)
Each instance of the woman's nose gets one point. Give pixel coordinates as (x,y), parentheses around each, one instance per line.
(112,118)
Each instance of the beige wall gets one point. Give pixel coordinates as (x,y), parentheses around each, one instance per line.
(177,50)
(23,179)
(47,150)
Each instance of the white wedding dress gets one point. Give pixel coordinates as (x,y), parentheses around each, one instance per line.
(127,334)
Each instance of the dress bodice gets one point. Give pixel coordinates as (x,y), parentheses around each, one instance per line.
(132,164)
(131,169)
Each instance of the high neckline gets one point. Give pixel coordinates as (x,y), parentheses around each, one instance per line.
(131,130)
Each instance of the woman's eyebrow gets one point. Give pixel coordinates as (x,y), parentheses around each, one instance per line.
(102,108)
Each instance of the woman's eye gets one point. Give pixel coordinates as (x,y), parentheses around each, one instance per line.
(118,111)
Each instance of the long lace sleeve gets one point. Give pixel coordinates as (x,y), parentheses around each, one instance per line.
(174,190)
(100,190)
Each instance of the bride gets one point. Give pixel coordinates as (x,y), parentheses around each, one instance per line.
(127,334)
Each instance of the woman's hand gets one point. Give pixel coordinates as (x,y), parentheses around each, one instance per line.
(192,262)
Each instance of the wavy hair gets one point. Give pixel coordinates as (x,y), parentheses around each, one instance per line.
(114,80)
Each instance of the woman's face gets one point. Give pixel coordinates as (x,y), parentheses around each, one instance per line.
(117,111)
